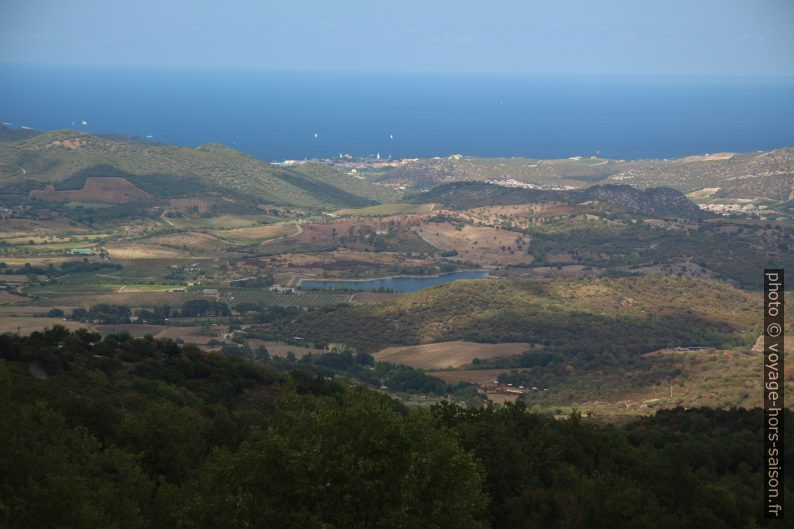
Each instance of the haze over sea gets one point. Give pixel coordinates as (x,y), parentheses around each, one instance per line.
(295,115)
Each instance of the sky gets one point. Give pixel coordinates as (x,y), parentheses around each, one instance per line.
(606,37)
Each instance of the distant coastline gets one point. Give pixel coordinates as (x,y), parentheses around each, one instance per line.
(278,115)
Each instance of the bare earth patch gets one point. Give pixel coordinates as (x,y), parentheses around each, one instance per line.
(142,252)
(25,227)
(9,298)
(187,334)
(477,244)
(705,192)
(131,299)
(260,233)
(709,157)
(28,324)
(109,189)
(444,355)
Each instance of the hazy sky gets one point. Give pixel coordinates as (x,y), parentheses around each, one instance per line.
(708,37)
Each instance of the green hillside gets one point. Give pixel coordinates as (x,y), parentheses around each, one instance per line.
(586,319)
(65,158)
(664,202)
(356,186)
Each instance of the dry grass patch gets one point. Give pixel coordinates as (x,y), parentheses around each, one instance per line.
(138,251)
(260,233)
(445,355)
(187,334)
(191,240)
(26,227)
(130,299)
(478,244)
(29,324)
(709,157)
(340,263)
(518,215)
(16,262)
(110,189)
(706,192)
(7,298)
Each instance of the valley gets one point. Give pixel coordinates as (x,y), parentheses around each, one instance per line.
(593,284)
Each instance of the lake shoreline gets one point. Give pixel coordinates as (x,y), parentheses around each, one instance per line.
(485,274)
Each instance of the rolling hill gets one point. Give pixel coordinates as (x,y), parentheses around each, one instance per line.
(65,159)
(586,319)
(768,175)
(664,202)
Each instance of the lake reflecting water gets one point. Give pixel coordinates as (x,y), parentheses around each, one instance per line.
(396,284)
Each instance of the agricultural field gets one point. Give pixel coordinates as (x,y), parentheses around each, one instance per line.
(128,299)
(217,222)
(344,262)
(481,245)
(301,299)
(29,324)
(282,349)
(11,310)
(196,335)
(193,241)
(259,234)
(446,355)
(133,329)
(7,298)
(59,291)
(373,234)
(130,252)
(111,190)
(10,228)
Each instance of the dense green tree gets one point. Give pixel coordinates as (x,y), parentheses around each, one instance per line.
(134,433)
(356,462)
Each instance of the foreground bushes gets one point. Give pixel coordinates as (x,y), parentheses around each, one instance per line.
(135,433)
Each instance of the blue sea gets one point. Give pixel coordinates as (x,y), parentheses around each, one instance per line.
(296,115)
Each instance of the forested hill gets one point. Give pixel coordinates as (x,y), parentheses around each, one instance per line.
(66,158)
(659,202)
(588,320)
(137,433)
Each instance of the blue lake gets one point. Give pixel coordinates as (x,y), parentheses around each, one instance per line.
(397,284)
